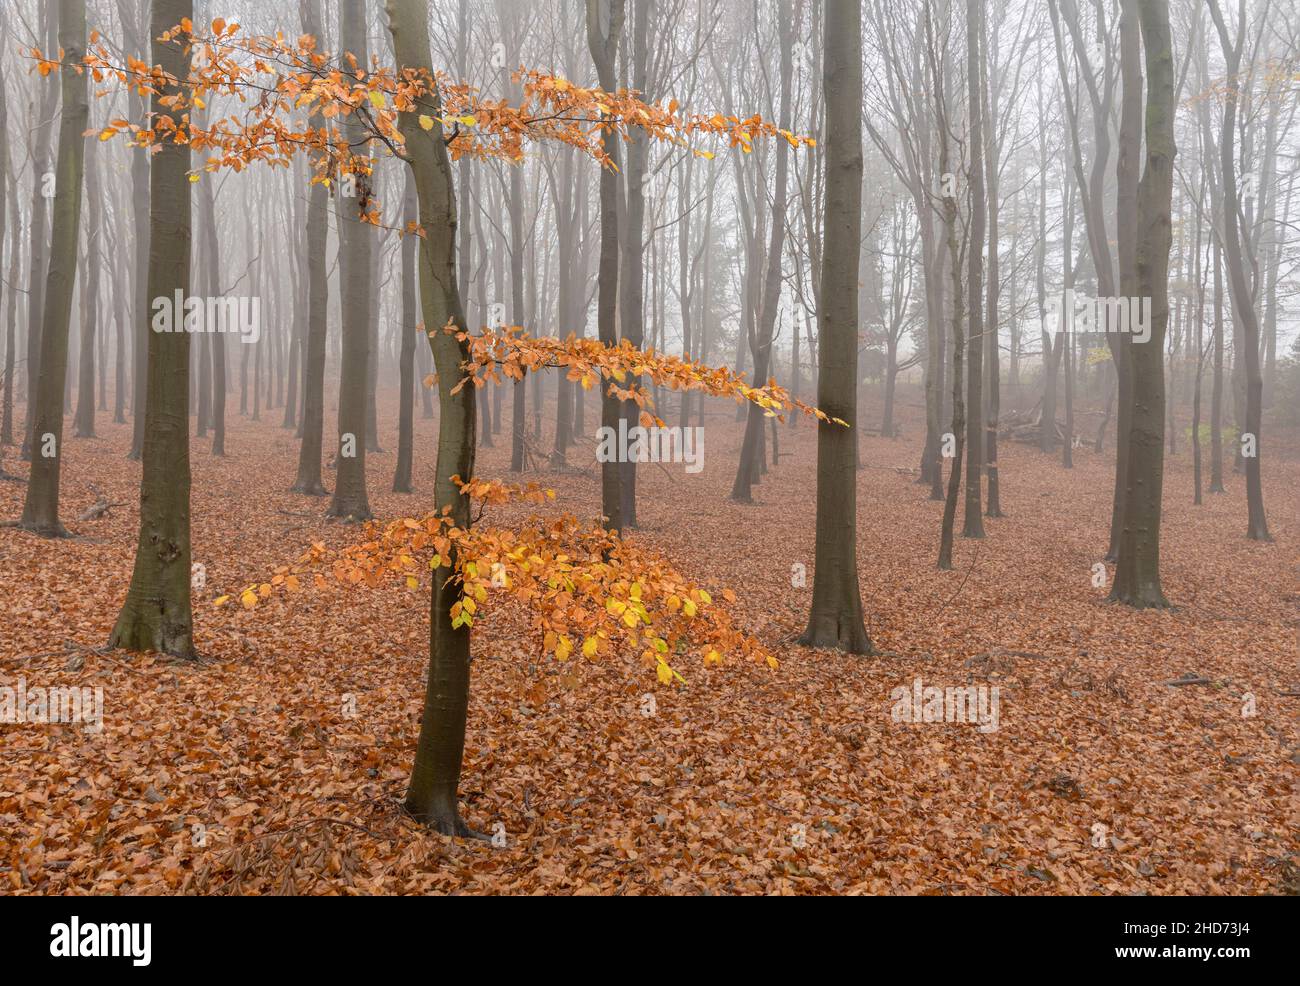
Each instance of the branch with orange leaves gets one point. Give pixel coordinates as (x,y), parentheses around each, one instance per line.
(588,590)
(510,352)
(277,79)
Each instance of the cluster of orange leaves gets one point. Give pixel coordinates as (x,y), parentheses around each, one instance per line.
(281,83)
(509,352)
(581,582)
(587,590)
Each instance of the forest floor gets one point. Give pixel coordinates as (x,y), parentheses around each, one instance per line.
(247,772)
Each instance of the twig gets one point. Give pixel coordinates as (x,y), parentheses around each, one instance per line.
(1190,679)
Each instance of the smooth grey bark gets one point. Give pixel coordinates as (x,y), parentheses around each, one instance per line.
(1239,292)
(350,500)
(973,526)
(835,617)
(84,422)
(604,26)
(41,507)
(431,796)
(760,342)
(38,252)
(1137,567)
(313,403)
(156,614)
(406,365)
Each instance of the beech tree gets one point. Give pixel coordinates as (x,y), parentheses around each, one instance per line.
(835,618)
(1243,299)
(353,198)
(41,508)
(406,110)
(1137,569)
(156,614)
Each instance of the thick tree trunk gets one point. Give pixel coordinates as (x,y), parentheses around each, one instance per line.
(1137,569)
(156,614)
(835,619)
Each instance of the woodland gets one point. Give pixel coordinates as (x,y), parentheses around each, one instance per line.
(649,447)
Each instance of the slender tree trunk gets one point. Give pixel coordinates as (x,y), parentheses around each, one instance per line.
(313,406)
(38,252)
(974,522)
(41,508)
(431,796)
(518,406)
(604,25)
(355,244)
(406,372)
(1242,297)
(631,284)
(751,450)
(1216,385)
(11,337)
(993,393)
(84,423)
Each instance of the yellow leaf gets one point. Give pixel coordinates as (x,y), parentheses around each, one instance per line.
(688,608)
(377,99)
(426,123)
(665,673)
(249,598)
(220,601)
(589,647)
(468,119)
